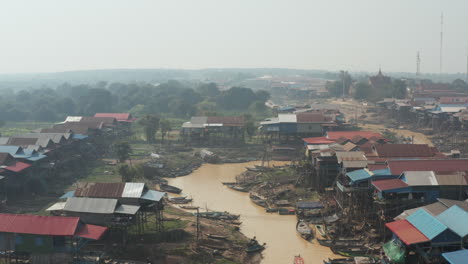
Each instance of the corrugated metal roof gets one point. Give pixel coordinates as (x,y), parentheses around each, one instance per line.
(73,119)
(133,190)
(93,232)
(127,209)
(153,195)
(38,225)
(405,150)
(311,118)
(359,175)
(4,140)
(350,156)
(390,184)
(190,125)
(456,257)
(355,164)
(91,205)
(226,120)
(397,167)
(318,140)
(18,166)
(57,207)
(118,116)
(449,203)
(406,232)
(426,223)
(287,118)
(420,178)
(453,178)
(100,190)
(456,219)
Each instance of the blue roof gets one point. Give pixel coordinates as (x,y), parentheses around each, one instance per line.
(12,150)
(382,172)
(426,223)
(68,195)
(153,195)
(456,219)
(359,175)
(456,257)
(79,136)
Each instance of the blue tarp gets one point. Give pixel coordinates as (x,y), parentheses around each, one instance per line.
(79,136)
(68,195)
(456,219)
(457,257)
(309,205)
(426,223)
(153,195)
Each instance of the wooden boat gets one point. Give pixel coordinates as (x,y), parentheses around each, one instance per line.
(339,261)
(178,198)
(255,248)
(321,230)
(229,183)
(271,210)
(286,211)
(304,230)
(340,243)
(239,188)
(170,188)
(298,259)
(189,207)
(259,202)
(219,237)
(350,252)
(180,201)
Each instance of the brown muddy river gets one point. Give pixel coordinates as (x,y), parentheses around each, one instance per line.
(278,231)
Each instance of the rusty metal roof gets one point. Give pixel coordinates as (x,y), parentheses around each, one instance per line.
(100,190)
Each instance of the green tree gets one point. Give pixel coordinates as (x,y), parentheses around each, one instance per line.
(2,123)
(363,91)
(208,89)
(122,150)
(236,98)
(335,88)
(150,125)
(165,128)
(126,173)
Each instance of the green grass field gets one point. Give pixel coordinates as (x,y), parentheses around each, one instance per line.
(18,128)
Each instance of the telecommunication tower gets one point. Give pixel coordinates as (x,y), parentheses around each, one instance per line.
(418,64)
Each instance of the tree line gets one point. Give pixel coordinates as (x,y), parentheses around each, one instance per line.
(168,99)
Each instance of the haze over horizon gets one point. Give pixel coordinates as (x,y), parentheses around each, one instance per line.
(57,36)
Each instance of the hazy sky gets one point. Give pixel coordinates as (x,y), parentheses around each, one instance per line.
(49,35)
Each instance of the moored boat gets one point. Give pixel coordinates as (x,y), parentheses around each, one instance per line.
(298,260)
(339,261)
(170,188)
(189,207)
(358,251)
(304,230)
(219,237)
(321,230)
(180,201)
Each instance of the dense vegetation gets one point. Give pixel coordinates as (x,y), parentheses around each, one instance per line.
(169,99)
(362,90)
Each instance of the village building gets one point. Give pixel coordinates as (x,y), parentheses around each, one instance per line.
(217,128)
(53,239)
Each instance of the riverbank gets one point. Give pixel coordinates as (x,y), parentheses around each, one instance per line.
(205,187)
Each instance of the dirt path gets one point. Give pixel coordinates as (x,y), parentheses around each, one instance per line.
(419,138)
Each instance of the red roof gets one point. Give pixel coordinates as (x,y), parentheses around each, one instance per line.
(119,116)
(391,184)
(407,233)
(318,140)
(397,167)
(38,225)
(18,166)
(405,150)
(91,231)
(373,167)
(334,135)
